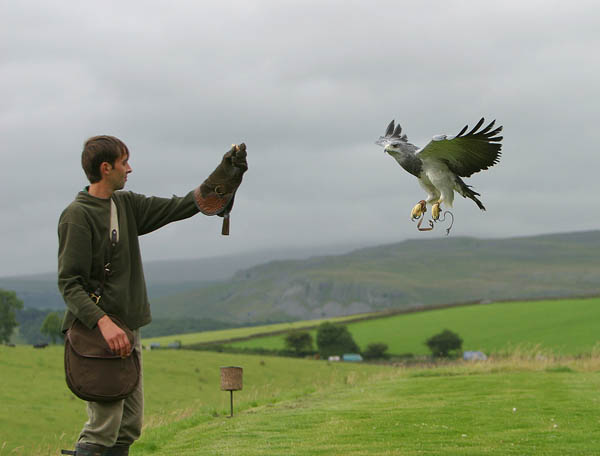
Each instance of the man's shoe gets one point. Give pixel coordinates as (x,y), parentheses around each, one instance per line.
(117,450)
(86,449)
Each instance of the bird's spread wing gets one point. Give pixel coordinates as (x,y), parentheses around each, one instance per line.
(466,153)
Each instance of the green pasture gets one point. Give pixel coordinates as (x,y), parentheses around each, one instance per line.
(529,404)
(528,401)
(38,413)
(235,333)
(464,411)
(568,326)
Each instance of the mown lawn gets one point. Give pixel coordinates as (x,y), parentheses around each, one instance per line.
(38,414)
(511,407)
(528,404)
(566,326)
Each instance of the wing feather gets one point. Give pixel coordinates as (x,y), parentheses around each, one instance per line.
(466,154)
(488,128)
(476,127)
(462,131)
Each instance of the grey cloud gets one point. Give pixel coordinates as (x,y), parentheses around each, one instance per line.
(309,86)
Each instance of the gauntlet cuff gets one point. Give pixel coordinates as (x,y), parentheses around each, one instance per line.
(209,201)
(216,194)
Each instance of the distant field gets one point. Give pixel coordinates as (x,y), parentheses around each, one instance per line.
(567,326)
(228,334)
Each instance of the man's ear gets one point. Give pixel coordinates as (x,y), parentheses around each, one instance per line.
(105,168)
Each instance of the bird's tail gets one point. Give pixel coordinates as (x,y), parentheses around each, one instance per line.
(466,192)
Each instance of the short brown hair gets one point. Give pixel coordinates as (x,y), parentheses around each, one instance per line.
(99,149)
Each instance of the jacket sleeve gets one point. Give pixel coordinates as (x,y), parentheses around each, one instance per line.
(152,213)
(74,266)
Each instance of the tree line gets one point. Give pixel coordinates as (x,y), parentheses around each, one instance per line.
(35,325)
(337,340)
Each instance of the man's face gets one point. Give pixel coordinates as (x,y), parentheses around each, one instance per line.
(118,174)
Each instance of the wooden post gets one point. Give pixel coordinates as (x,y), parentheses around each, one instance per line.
(231,380)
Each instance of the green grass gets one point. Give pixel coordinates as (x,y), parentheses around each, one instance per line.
(228,334)
(523,405)
(565,326)
(38,413)
(467,413)
(294,406)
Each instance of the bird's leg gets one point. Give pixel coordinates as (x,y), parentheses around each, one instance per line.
(417,211)
(436,210)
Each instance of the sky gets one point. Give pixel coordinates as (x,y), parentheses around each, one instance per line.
(308,86)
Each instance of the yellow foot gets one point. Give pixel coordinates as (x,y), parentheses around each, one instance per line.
(435,211)
(418,210)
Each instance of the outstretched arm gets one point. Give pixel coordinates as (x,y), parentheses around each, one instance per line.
(213,197)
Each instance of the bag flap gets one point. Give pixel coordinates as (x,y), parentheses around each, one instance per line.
(90,343)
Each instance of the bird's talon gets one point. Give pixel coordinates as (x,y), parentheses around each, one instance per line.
(435,211)
(417,211)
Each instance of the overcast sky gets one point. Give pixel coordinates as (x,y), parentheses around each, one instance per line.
(309,86)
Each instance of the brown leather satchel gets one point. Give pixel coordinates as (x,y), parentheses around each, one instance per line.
(93,371)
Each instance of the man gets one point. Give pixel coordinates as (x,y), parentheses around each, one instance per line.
(85,247)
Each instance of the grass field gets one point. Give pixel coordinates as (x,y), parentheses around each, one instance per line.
(528,404)
(525,401)
(38,413)
(227,334)
(566,326)
(460,411)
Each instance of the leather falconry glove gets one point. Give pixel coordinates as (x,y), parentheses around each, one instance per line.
(216,194)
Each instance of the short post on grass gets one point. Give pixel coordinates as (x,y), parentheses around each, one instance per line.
(231,380)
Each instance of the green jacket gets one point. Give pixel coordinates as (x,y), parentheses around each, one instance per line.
(83,247)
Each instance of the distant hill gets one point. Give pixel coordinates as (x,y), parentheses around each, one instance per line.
(164,277)
(404,275)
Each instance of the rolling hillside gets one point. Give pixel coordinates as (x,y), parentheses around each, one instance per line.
(165,277)
(406,275)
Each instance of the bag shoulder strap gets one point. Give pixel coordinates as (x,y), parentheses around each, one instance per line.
(113,235)
(114,223)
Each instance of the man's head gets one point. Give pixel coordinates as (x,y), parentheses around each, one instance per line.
(106,157)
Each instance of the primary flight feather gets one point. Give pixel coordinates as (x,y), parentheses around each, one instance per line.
(440,165)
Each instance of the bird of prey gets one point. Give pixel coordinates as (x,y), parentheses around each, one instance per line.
(440,165)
